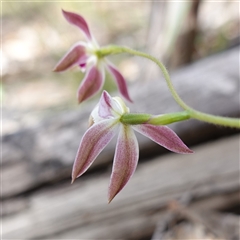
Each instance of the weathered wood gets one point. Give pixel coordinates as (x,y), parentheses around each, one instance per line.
(80,211)
(199,221)
(41,155)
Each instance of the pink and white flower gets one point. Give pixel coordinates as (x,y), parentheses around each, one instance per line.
(106,118)
(84,55)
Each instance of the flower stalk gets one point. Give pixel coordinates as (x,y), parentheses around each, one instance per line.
(192,113)
(163,119)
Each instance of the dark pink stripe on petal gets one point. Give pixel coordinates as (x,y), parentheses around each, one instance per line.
(125,161)
(75,55)
(91,84)
(122,85)
(93,142)
(78,21)
(164,136)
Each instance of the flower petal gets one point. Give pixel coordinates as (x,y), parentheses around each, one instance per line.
(105,105)
(75,56)
(108,106)
(93,142)
(164,136)
(91,84)
(111,107)
(122,86)
(125,161)
(78,21)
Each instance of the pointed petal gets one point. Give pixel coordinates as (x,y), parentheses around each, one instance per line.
(164,136)
(105,105)
(122,86)
(91,84)
(108,106)
(125,161)
(78,21)
(93,142)
(76,55)
(111,107)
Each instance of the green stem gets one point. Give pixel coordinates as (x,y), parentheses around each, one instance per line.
(135,118)
(119,49)
(169,118)
(163,119)
(224,121)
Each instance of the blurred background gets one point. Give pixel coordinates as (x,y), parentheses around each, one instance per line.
(37,102)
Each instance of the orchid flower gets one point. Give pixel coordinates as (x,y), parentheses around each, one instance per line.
(106,121)
(84,55)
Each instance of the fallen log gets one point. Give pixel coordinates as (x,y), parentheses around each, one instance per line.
(80,211)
